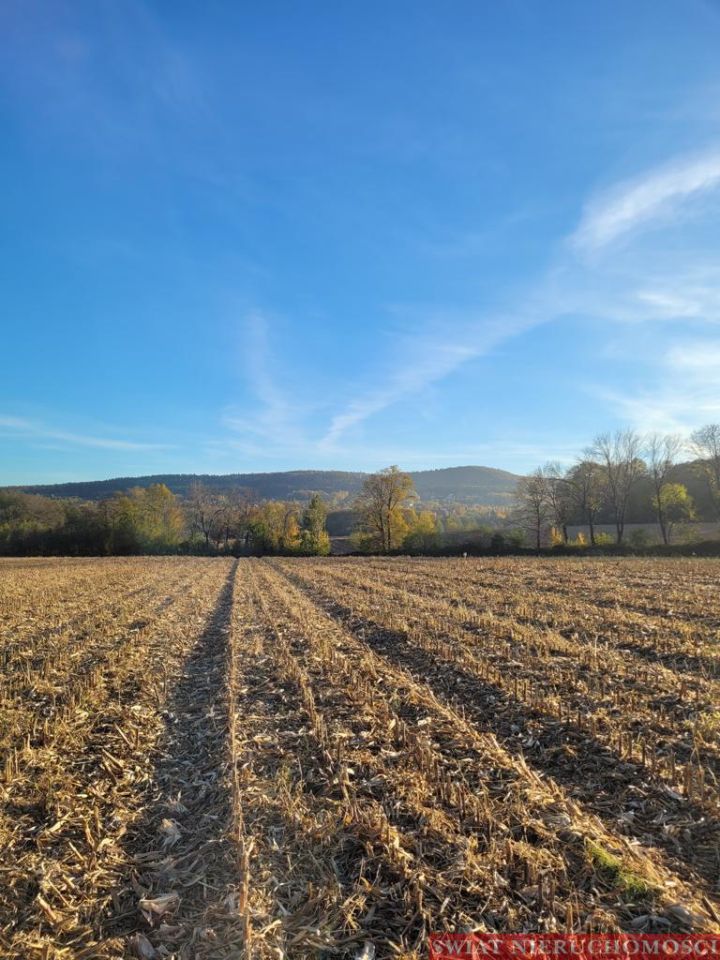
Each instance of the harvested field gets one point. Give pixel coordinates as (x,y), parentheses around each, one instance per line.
(210,758)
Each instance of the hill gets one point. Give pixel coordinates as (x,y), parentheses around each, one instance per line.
(476,485)
(472,485)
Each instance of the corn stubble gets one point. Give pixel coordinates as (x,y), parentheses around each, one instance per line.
(209,758)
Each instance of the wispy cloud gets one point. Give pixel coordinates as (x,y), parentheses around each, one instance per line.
(39,431)
(696,356)
(15,423)
(639,286)
(421,360)
(434,361)
(444,342)
(276,424)
(272,419)
(655,195)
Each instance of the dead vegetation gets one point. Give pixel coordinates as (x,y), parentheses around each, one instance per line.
(317,758)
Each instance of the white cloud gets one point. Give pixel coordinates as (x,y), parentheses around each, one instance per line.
(673,304)
(636,203)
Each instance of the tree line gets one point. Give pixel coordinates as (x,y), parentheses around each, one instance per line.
(154,520)
(614,472)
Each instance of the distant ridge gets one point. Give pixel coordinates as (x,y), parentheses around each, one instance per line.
(483,486)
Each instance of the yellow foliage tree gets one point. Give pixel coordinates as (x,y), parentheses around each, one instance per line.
(381,502)
(423,531)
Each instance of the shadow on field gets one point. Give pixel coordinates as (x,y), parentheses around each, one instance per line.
(691,664)
(624,795)
(611,603)
(181,844)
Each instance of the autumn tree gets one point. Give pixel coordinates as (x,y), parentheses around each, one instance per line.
(145,519)
(275,528)
(619,456)
(162,516)
(291,538)
(423,532)
(314,535)
(241,511)
(677,506)
(380,504)
(26,518)
(705,444)
(26,510)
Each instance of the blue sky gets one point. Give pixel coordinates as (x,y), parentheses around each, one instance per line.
(281,235)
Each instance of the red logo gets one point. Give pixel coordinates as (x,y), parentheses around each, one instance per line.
(571,946)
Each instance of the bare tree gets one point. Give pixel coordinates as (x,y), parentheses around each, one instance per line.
(619,455)
(661,451)
(559,497)
(534,508)
(705,444)
(236,517)
(206,514)
(586,485)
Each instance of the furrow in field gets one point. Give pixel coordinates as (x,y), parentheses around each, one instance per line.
(683,644)
(43,639)
(500,612)
(528,809)
(30,714)
(616,790)
(676,588)
(327,867)
(674,594)
(656,728)
(180,854)
(72,869)
(43,601)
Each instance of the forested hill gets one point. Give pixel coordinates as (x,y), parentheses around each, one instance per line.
(481,485)
(472,485)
